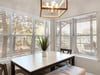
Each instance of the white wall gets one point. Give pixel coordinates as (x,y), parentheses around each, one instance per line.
(78,7)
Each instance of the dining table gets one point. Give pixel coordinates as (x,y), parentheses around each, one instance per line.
(35,62)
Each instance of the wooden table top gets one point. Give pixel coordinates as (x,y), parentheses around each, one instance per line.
(37,61)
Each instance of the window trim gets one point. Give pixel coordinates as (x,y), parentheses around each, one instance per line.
(73,29)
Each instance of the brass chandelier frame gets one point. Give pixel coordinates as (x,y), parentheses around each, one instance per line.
(64,9)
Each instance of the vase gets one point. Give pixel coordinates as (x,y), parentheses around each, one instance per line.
(44,53)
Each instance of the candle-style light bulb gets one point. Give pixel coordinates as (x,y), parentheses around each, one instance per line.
(52,11)
(47,4)
(53,3)
(56,6)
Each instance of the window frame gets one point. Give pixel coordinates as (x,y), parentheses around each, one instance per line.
(73,35)
(68,21)
(89,35)
(10,35)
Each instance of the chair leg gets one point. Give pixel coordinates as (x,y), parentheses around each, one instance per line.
(5,70)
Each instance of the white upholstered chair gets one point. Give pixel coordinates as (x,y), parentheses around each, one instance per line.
(68,70)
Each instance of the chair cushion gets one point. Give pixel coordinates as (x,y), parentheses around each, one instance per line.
(73,70)
(68,70)
(56,72)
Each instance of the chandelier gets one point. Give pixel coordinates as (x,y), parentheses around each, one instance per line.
(53,8)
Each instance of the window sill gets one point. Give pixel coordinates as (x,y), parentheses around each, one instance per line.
(87,57)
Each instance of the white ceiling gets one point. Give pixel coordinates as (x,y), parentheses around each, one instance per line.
(28,6)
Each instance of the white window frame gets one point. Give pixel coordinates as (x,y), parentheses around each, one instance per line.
(10,35)
(73,35)
(59,35)
(91,35)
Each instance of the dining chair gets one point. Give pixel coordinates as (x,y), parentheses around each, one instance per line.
(20,72)
(67,51)
(3,69)
(68,70)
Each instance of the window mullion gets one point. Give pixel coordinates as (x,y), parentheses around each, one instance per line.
(74,35)
(45,28)
(56,35)
(33,36)
(11,36)
(91,31)
(71,33)
(60,34)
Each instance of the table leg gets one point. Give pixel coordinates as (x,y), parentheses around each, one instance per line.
(70,61)
(73,60)
(12,68)
(31,74)
(52,68)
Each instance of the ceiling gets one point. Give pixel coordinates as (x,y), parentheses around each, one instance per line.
(28,6)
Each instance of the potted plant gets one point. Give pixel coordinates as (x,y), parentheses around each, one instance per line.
(43,43)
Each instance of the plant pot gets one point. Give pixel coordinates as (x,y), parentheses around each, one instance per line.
(44,53)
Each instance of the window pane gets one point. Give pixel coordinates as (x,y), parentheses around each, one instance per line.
(57,45)
(36,43)
(39,27)
(4,22)
(83,28)
(65,42)
(57,36)
(4,46)
(47,28)
(94,27)
(65,35)
(57,29)
(83,44)
(83,48)
(83,39)
(22,25)
(94,43)
(22,44)
(86,49)
(65,29)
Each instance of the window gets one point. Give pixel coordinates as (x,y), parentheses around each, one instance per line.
(78,33)
(22,29)
(41,29)
(63,34)
(58,36)
(4,33)
(86,35)
(18,32)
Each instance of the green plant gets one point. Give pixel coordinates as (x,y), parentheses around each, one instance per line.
(43,42)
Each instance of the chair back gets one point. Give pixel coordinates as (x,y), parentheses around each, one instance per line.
(3,69)
(69,51)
